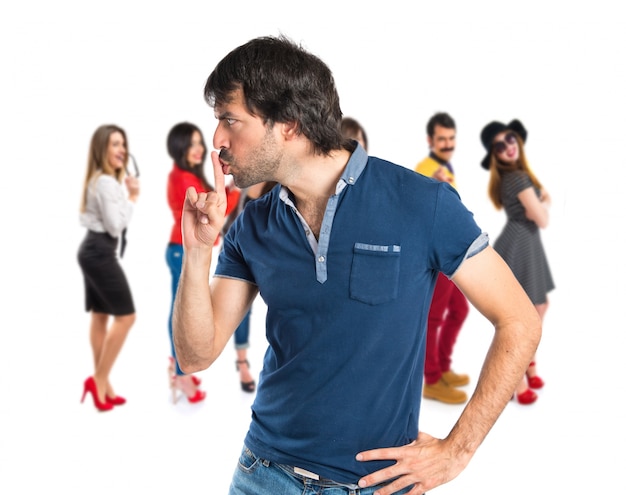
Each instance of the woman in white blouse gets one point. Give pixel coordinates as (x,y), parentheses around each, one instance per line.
(106,210)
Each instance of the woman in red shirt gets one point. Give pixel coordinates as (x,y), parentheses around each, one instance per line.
(185,145)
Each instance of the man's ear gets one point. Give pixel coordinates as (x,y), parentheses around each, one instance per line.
(289,130)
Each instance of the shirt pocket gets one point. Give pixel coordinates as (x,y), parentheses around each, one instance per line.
(375,273)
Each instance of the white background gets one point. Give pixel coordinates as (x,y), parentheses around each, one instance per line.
(70,66)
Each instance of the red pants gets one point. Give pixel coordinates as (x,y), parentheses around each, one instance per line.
(448,311)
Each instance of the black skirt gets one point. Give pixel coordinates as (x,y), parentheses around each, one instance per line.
(106,288)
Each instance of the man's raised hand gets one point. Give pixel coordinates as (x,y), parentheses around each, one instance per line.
(204,212)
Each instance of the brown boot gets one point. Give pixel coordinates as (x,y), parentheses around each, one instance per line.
(443,392)
(455,380)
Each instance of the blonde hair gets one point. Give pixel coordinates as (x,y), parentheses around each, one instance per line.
(497,167)
(97,162)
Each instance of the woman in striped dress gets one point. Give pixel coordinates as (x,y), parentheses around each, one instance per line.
(514,188)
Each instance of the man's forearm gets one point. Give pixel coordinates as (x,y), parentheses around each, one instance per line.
(511,351)
(192,320)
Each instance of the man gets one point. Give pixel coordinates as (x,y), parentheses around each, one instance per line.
(342,251)
(449,307)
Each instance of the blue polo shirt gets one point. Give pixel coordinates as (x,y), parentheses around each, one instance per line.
(346,315)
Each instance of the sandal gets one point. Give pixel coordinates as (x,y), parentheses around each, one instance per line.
(246,386)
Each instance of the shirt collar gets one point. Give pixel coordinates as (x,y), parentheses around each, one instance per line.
(355,166)
(448,165)
(352,171)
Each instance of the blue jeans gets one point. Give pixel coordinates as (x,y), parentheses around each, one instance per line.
(256,476)
(174,258)
(242,334)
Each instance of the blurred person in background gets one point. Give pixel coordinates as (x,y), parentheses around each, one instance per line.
(449,307)
(352,129)
(515,188)
(108,200)
(186,147)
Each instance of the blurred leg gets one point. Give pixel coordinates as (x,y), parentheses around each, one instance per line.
(458,309)
(438,305)
(242,334)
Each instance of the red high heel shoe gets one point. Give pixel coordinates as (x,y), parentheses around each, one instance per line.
(534,381)
(90,386)
(118,400)
(526,397)
(198,396)
(194,378)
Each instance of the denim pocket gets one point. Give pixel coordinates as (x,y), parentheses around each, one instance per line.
(375,273)
(248,462)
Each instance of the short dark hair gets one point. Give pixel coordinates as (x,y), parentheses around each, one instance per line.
(281,82)
(350,129)
(442,119)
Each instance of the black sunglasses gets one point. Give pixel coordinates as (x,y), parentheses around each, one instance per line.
(500,146)
(135,168)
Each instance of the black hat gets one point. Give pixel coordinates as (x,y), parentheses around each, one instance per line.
(494,128)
